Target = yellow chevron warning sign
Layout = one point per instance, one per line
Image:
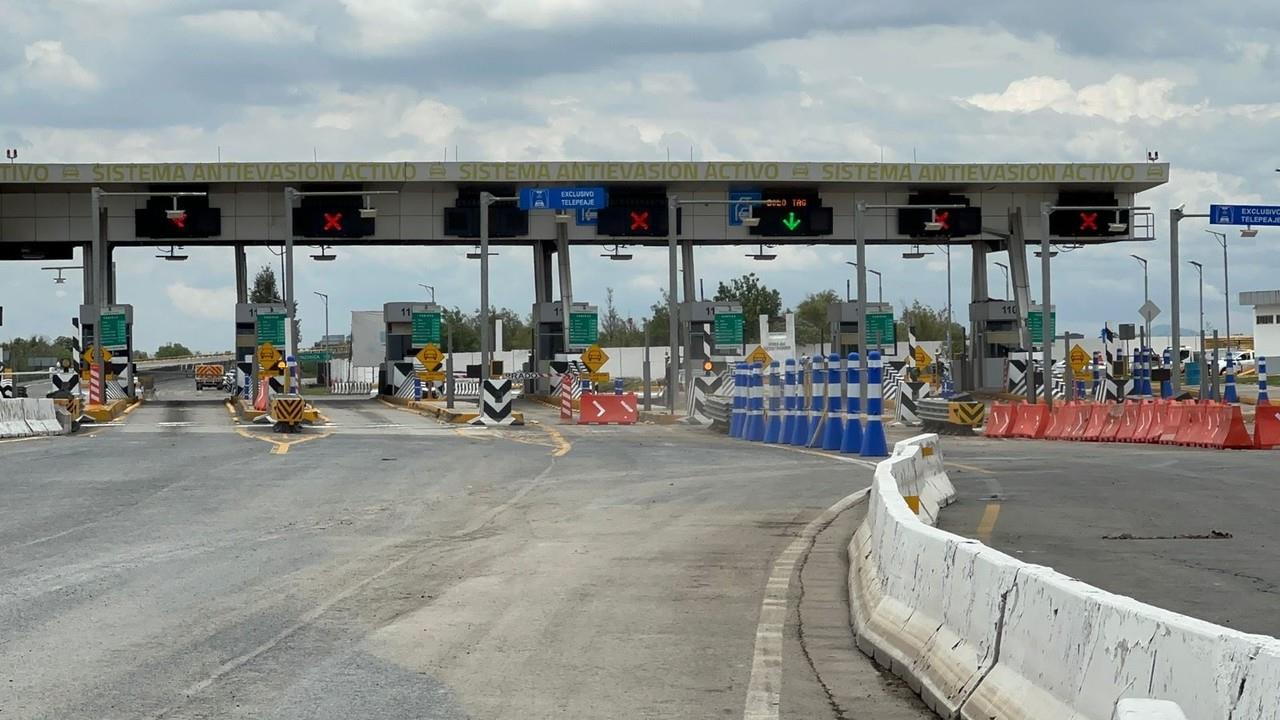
(1079, 360)
(922, 357)
(966, 413)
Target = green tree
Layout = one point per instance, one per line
(811, 317)
(928, 323)
(172, 350)
(658, 321)
(265, 289)
(20, 351)
(615, 330)
(755, 298)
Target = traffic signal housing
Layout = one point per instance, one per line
(951, 222)
(792, 213)
(1090, 222)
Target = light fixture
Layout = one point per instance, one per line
(475, 254)
(175, 213)
(616, 254)
(1117, 227)
(1249, 232)
(368, 212)
(762, 255)
(751, 222)
(1052, 253)
(172, 254)
(915, 254)
(933, 226)
(59, 280)
(562, 218)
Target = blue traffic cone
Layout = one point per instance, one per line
(739, 416)
(773, 424)
(789, 402)
(800, 433)
(852, 440)
(819, 405)
(834, 431)
(874, 443)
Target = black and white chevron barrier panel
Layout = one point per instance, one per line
(495, 404)
(894, 374)
(350, 387)
(66, 383)
(911, 393)
(704, 388)
(6, 386)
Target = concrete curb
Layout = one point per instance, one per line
(439, 411)
(980, 634)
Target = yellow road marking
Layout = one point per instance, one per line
(563, 446)
(281, 447)
(130, 409)
(970, 468)
(988, 522)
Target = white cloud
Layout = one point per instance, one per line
(203, 303)
(251, 26)
(48, 66)
(1121, 99)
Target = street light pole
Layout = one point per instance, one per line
(879, 280)
(673, 327)
(1004, 267)
(1146, 292)
(486, 200)
(1203, 370)
(328, 364)
(288, 272)
(430, 288)
(1226, 283)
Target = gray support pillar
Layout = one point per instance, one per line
(542, 280)
(1175, 304)
(1046, 309)
(88, 270)
(690, 295)
(242, 275)
(111, 275)
(1021, 287)
(566, 278)
(979, 294)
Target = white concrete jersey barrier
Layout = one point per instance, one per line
(979, 634)
(25, 417)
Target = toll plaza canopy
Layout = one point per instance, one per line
(44, 208)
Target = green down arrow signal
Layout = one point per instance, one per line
(791, 221)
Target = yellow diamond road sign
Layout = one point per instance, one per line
(430, 356)
(594, 358)
(760, 355)
(268, 356)
(1079, 359)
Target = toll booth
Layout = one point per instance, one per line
(882, 332)
(117, 338)
(415, 358)
(258, 324)
(997, 337)
(712, 331)
(549, 335)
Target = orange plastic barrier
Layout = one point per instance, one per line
(1266, 426)
(1128, 422)
(1228, 430)
(999, 419)
(1031, 421)
(1151, 431)
(1077, 421)
(1173, 420)
(1112, 424)
(1190, 424)
(596, 409)
(1097, 420)
(1059, 420)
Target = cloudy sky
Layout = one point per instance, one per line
(823, 80)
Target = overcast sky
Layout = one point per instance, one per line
(825, 80)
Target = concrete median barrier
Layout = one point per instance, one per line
(980, 634)
(25, 417)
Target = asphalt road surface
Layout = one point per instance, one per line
(1150, 522)
(174, 564)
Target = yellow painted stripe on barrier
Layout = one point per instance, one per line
(913, 502)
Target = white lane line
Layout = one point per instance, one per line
(764, 689)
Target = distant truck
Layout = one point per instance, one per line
(209, 376)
